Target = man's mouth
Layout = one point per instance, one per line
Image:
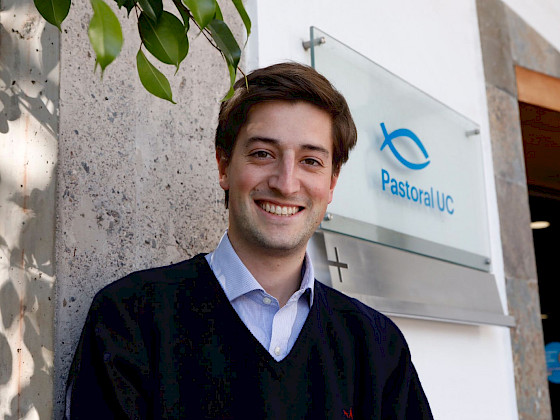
(279, 210)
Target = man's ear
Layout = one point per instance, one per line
(334, 179)
(223, 164)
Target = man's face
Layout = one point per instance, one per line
(279, 176)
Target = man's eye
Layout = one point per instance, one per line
(261, 154)
(312, 162)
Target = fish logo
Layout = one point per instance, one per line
(404, 132)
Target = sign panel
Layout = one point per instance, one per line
(416, 174)
(553, 361)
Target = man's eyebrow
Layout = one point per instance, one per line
(275, 142)
(316, 148)
(258, 139)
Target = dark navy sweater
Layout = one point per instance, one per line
(166, 343)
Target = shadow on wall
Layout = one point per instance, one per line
(26, 342)
(21, 93)
(26, 309)
(28, 126)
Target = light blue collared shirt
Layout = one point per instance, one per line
(277, 329)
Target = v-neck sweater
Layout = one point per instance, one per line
(166, 343)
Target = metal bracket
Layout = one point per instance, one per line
(474, 132)
(316, 41)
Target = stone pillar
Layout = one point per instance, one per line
(506, 41)
(29, 79)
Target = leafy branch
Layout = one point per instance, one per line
(163, 33)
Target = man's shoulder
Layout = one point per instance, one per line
(355, 314)
(340, 302)
(154, 281)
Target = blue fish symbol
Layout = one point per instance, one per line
(404, 132)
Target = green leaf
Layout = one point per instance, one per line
(227, 44)
(105, 33)
(54, 11)
(166, 39)
(225, 41)
(244, 16)
(218, 15)
(152, 8)
(232, 72)
(152, 79)
(129, 4)
(202, 10)
(184, 14)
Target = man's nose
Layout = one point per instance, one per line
(285, 178)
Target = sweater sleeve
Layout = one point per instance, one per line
(403, 396)
(109, 374)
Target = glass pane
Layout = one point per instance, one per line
(417, 169)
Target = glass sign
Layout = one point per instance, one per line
(415, 180)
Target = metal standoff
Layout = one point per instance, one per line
(328, 216)
(474, 132)
(316, 41)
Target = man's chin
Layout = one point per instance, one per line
(281, 243)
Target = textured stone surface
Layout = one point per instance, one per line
(526, 49)
(528, 349)
(137, 182)
(517, 238)
(529, 49)
(494, 40)
(28, 127)
(505, 134)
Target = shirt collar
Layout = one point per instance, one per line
(235, 278)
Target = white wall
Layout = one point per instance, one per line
(467, 371)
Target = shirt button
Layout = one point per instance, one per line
(267, 301)
(277, 351)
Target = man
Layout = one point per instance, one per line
(246, 331)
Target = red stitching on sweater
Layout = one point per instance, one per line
(348, 414)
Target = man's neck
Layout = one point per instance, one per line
(278, 273)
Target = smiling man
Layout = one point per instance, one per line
(245, 331)
(280, 179)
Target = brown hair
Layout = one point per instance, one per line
(286, 82)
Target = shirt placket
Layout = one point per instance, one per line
(282, 325)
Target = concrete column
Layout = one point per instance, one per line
(137, 183)
(29, 79)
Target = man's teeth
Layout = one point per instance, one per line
(279, 210)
